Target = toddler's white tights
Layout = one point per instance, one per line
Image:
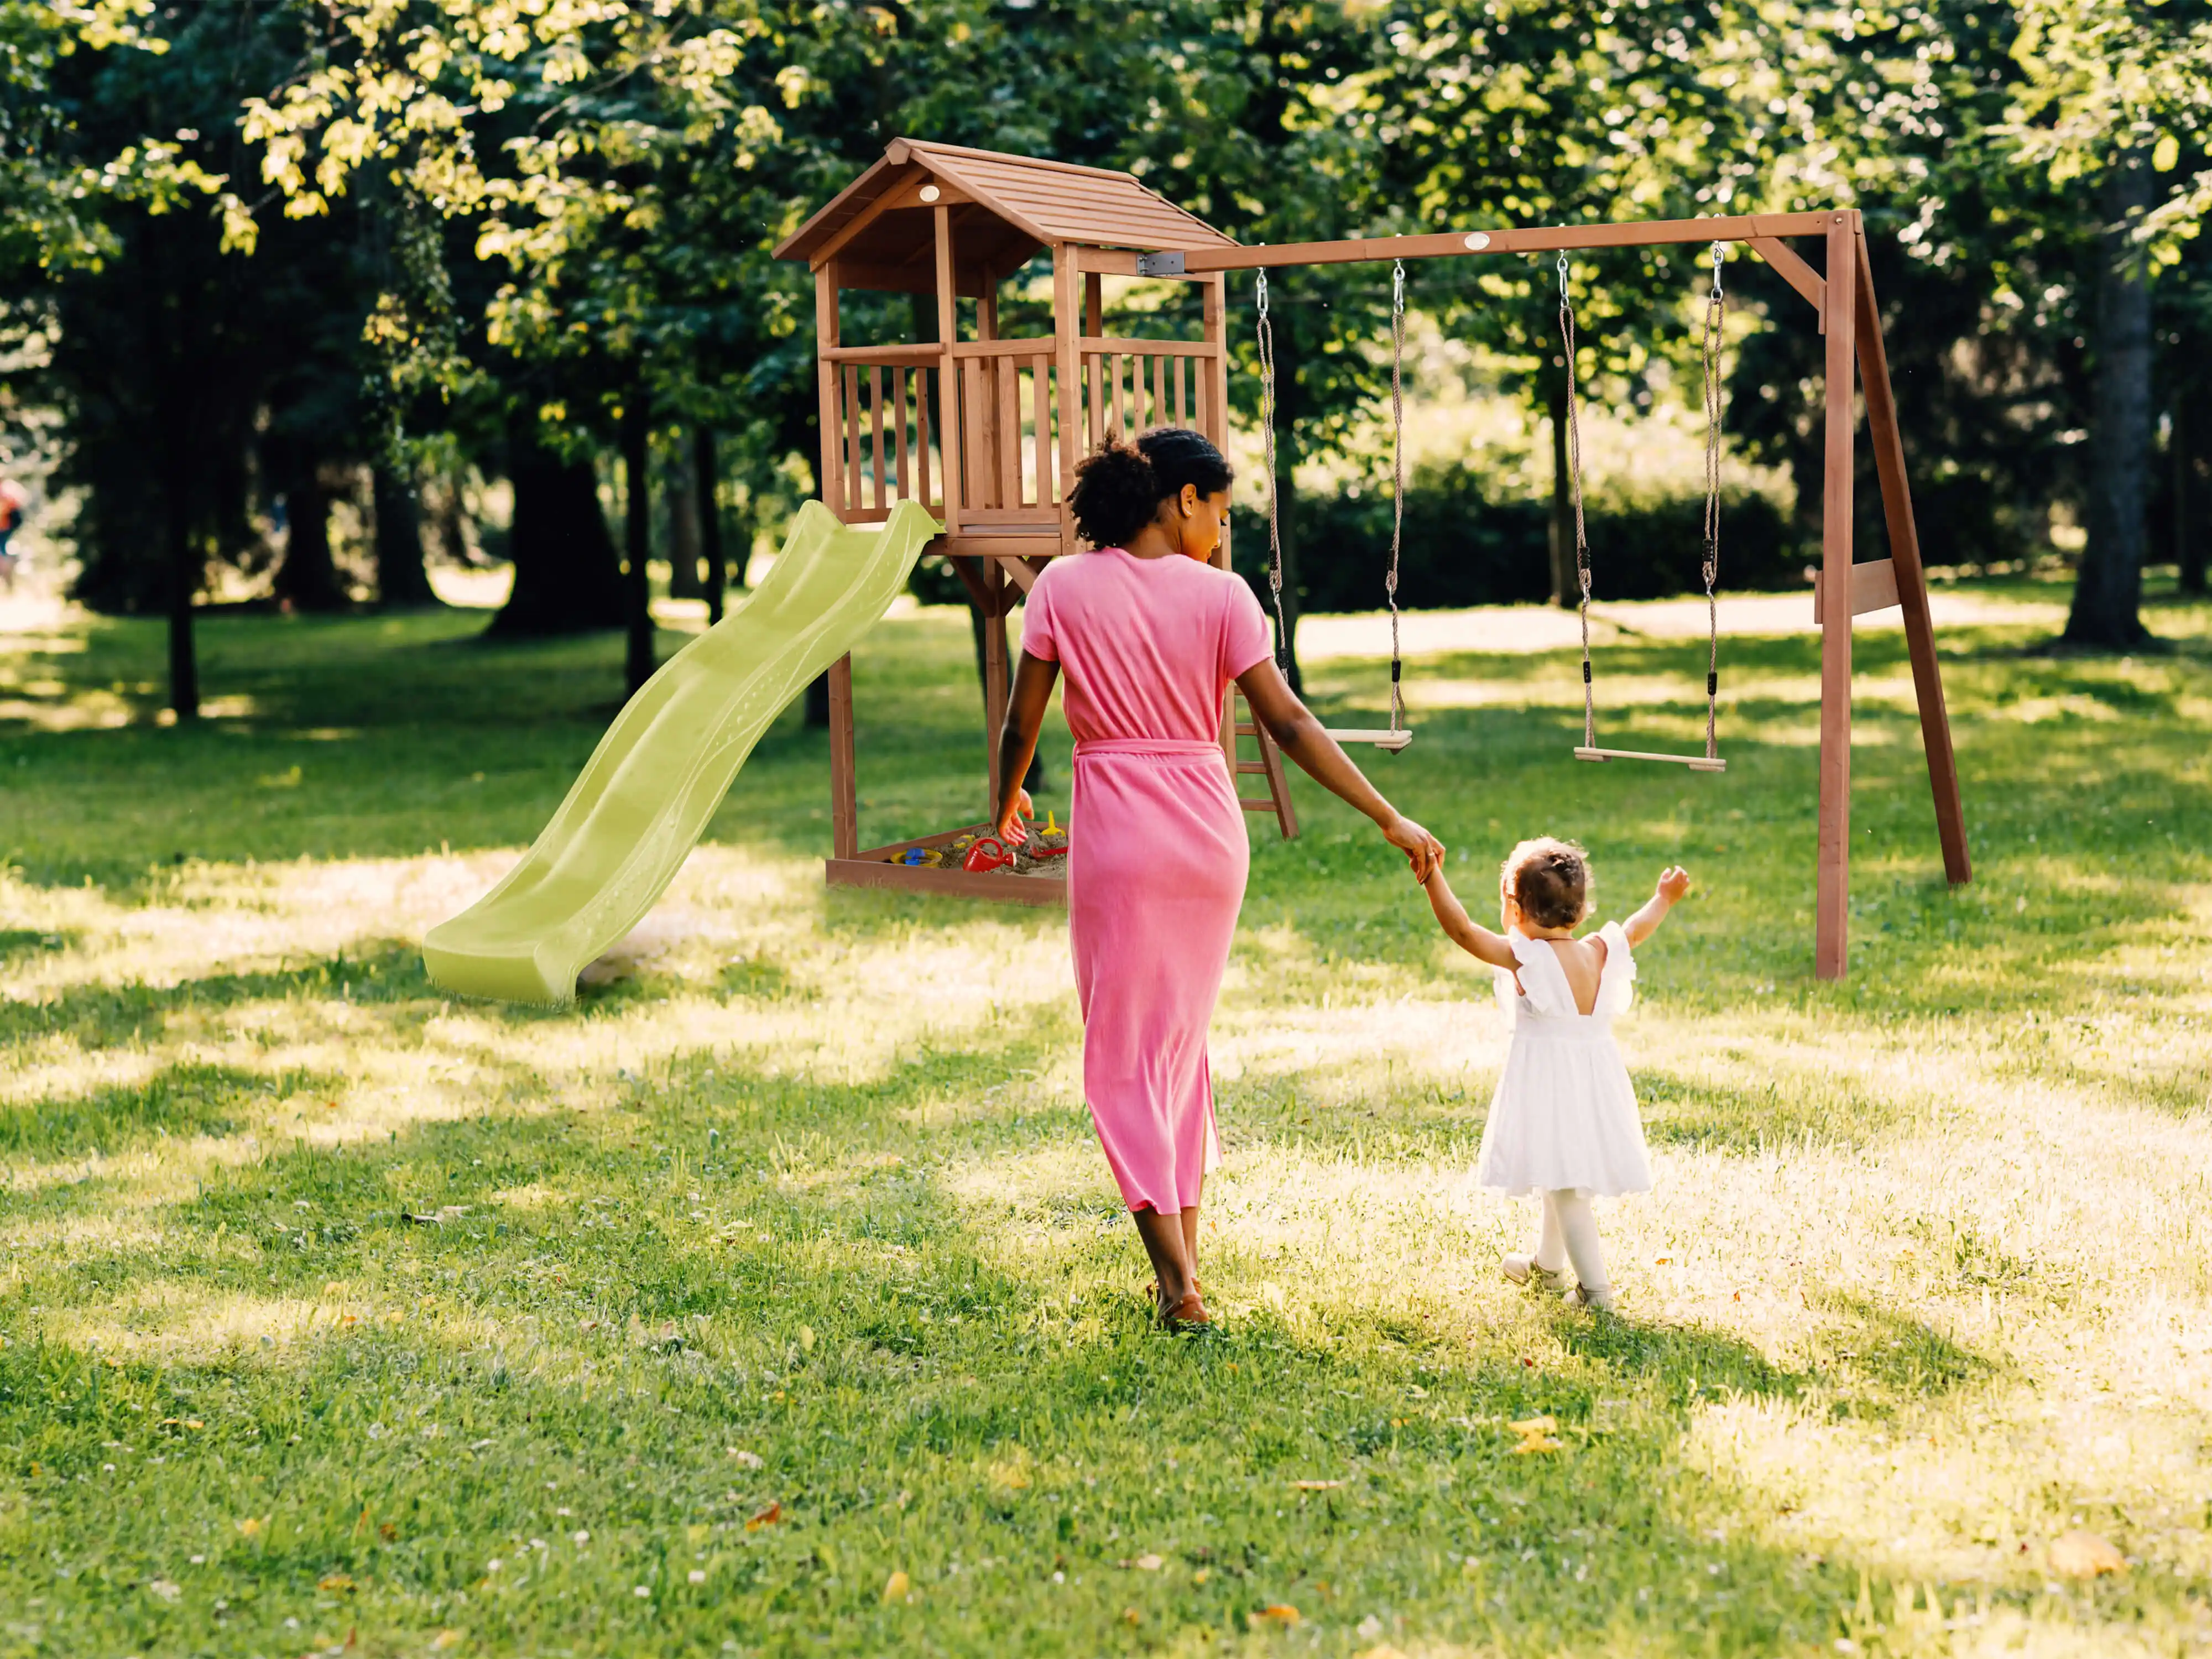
(1568, 1233)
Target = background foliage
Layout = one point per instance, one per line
(267, 259)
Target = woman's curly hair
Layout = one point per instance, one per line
(1120, 486)
(1550, 879)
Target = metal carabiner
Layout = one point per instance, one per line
(1563, 273)
(1260, 292)
(1397, 286)
(1717, 267)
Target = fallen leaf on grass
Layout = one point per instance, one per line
(447, 1638)
(165, 1589)
(1130, 1615)
(1279, 1613)
(1536, 1442)
(746, 1460)
(896, 1586)
(1532, 1425)
(1316, 1485)
(252, 1527)
(1142, 1563)
(2085, 1555)
(334, 1582)
(767, 1517)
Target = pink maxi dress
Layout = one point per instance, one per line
(1156, 855)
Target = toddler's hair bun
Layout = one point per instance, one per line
(1550, 879)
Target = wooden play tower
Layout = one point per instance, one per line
(985, 432)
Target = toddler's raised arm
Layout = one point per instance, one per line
(1674, 881)
(1471, 936)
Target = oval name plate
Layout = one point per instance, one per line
(1476, 241)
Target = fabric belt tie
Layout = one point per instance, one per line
(1175, 747)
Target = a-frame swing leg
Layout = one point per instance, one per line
(1832, 900)
(1911, 578)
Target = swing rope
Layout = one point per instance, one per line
(1274, 524)
(1397, 479)
(1396, 737)
(1575, 493)
(1716, 317)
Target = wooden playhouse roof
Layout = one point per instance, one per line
(1005, 209)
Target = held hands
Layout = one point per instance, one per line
(1422, 851)
(1012, 811)
(1673, 883)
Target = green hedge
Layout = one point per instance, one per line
(1463, 548)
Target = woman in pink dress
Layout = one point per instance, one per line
(1151, 634)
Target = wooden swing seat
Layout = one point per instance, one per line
(1381, 738)
(1695, 763)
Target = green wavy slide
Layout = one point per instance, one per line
(644, 798)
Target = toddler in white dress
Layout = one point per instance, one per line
(1563, 1123)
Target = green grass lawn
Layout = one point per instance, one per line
(776, 1299)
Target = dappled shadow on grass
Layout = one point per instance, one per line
(96, 1016)
(604, 1305)
(185, 1099)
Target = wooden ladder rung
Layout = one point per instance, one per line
(1243, 731)
(1256, 803)
(1695, 763)
(1251, 766)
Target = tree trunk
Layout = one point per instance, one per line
(567, 578)
(401, 579)
(308, 579)
(681, 493)
(184, 571)
(2108, 593)
(1566, 587)
(637, 511)
(706, 477)
(2188, 499)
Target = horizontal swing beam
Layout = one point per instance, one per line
(1738, 228)
(1695, 763)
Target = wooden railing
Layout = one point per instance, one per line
(890, 411)
(1009, 432)
(885, 399)
(1130, 385)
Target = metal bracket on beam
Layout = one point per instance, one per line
(1160, 265)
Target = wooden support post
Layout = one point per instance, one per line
(1833, 902)
(948, 376)
(1067, 376)
(844, 798)
(994, 676)
(825, 373)
(1213, 371)
(1911, 578)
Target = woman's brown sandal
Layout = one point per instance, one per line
(1187, 1315)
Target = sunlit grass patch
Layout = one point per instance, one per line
(786, 1262)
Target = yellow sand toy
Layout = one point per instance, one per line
(644, 797)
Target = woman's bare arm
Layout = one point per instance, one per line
(1034, 679)
(1470, 935)
(1299, 735)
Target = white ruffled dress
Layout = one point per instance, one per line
(1565, 1114)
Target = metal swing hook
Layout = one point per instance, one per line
(1719, 256)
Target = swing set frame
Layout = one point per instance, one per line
(1842, 297)
(986, 433)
